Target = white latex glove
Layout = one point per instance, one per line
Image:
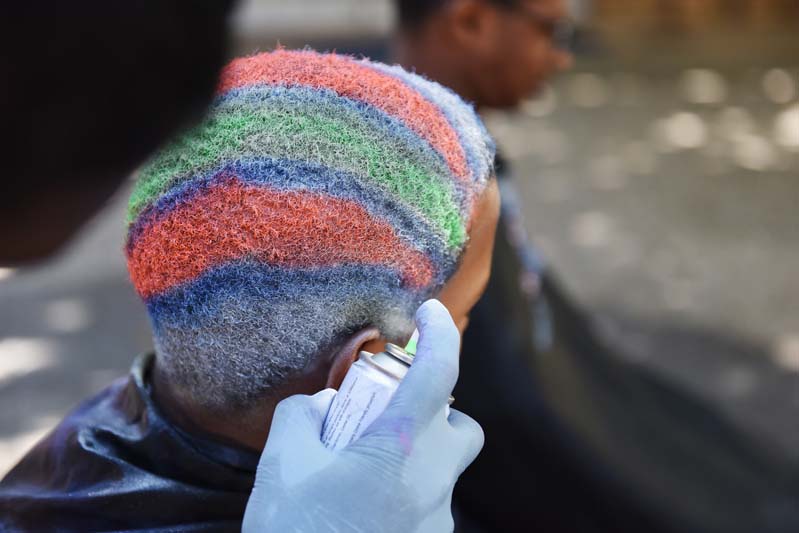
(397, 477)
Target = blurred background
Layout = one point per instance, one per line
(660, 180)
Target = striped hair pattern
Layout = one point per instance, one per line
(321, 194)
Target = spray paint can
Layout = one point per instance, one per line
(365, 393)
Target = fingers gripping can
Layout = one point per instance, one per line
(364, 394)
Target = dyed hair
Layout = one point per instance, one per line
(321, 194)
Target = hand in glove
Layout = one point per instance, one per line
(397, 477)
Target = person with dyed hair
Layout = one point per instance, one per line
(321, 201)
(320, 197)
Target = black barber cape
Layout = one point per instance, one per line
(115, 464)
(577, 439)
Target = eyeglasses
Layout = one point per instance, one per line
(561, 31)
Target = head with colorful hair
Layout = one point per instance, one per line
(320, 196)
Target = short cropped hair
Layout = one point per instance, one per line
(321, 194)
(413, 13)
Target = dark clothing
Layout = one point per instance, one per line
(115, 464)
(578, 440)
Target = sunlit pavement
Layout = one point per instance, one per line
(668, 203)
(67, 329)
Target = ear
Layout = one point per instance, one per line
(341, 360)
(470, 22)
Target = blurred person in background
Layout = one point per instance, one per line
(90, 90)
(577, 439)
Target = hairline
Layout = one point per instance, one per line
(407, 21)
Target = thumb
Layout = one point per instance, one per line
(432, 376)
